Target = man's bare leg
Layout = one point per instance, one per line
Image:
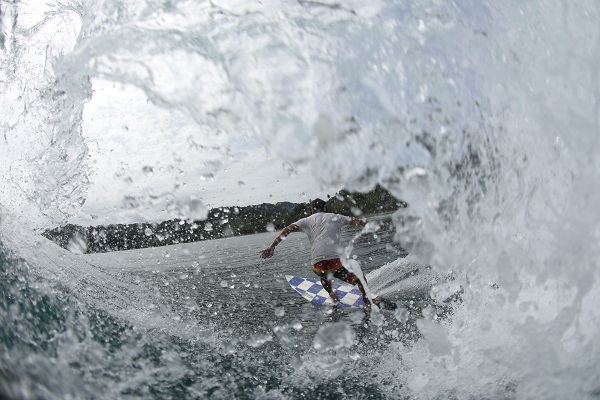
(327, 285)
(364, 294)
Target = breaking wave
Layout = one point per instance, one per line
(482, 116)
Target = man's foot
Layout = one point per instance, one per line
(377, 300)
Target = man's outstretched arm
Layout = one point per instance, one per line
(268, 252)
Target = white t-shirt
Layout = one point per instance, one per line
(324, 231)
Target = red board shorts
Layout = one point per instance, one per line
(328, 268)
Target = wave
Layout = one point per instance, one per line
(482, 116)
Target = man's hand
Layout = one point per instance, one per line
(267, 253)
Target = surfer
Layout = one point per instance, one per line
(324, 230)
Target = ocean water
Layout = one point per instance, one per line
(483, 116)
(201, 320)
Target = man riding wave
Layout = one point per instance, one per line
(324, 231)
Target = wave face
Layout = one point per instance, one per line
(483, 116)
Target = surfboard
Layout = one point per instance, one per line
(313, 291)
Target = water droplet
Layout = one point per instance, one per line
(376, 317)
(229, 346)
(77, 244)
(196, 210)
(401, 314)
(289, 169)
(148, 170)
(259, 340)
(334, 336)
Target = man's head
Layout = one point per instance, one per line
(317, 205)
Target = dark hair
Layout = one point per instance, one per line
(318, 205)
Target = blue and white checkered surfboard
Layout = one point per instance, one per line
(313, 291)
